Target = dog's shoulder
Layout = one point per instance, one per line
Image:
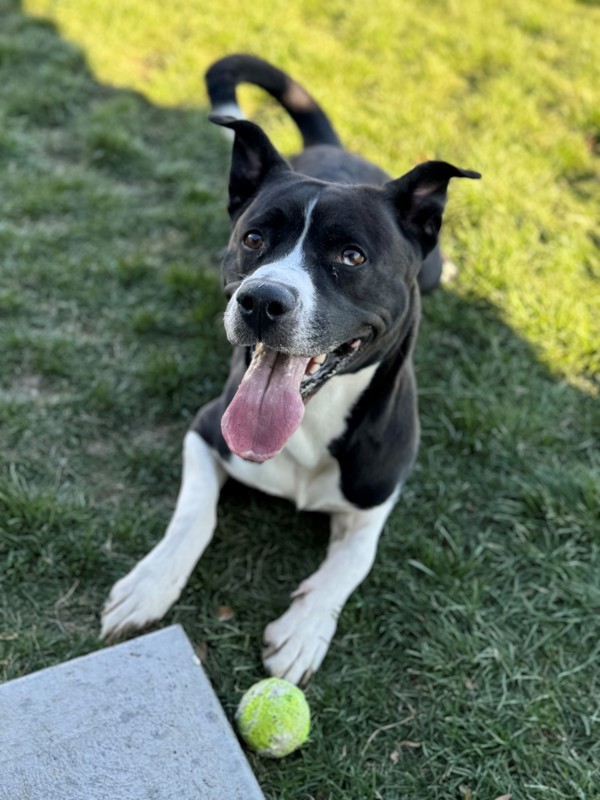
(378, 446)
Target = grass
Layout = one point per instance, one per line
(466, 666)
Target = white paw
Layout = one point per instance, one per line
(296, 643)
(141, 597)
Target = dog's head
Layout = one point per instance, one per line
(319, 278)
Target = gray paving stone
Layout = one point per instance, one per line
(138, 721)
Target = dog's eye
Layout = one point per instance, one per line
(352, 257)
(253, 240)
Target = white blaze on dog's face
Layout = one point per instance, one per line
(288, 273)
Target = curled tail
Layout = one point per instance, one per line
(224, 75)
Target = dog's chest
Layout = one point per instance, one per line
(305, 472)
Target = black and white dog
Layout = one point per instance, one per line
(323, 272)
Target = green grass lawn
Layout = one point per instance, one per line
(468, 664)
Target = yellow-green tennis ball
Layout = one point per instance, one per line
(273, 717)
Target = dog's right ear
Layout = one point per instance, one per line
(253, 160)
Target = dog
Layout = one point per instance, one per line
(323, 273)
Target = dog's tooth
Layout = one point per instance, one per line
(314, 367)
(320, 359)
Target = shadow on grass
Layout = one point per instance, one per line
(112, 218)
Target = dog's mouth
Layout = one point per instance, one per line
(268, 406)
(320, 368)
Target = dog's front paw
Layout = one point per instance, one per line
(141, 597)
(296, 643)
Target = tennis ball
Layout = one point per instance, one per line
(273, 717)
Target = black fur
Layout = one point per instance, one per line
(395, 222)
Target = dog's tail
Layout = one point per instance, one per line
(224, 75)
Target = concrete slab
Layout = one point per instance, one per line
(138, 721)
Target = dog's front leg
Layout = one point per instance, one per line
(296, 643)
(155, 583)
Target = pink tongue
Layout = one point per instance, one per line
(267, 407)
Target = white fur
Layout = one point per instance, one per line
(151, 588)
(229, 110)
(290, 271)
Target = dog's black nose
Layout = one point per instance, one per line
(262, 304)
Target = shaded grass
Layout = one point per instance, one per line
(471, 652)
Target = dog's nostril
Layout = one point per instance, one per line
(275, 309)
(247, 303)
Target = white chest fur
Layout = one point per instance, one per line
(305, 472)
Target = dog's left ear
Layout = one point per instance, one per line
(419, 198)
(253, 160)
